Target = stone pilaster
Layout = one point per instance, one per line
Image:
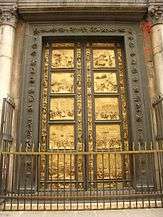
(8, 17)
(156, 15)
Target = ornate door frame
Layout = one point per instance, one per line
(32, 67)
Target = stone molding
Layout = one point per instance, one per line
(8, 15)
(156, 14)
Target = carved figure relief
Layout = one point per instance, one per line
(63, 58)
(105, 82)
(103, 58)
(62, 82)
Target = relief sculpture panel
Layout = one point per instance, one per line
(103, 58)
(62, 82)
(62, 58)
(105, 82)
(61, 109)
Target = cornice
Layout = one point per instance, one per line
(8, 15)
(49, 10)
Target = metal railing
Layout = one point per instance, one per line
(158, 108)
(116, 179)
(8, 107)
(76, 180)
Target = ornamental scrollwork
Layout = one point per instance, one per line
(31, 97)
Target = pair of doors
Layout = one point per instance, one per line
(83, 114)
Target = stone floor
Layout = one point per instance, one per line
(106, 213)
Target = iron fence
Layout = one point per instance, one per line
(8, 107)
(56, 180)
(158, 107)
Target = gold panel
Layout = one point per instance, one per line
(103, 58)
(107, 108)
(109, 166)
(108, 136)
(62, 83)
(61, 136)
(63, 58)
(61, 167)
(61, 109)
(105, 83)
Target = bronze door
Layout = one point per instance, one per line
(83, 115)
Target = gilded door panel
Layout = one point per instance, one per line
(61, 136)
(107, 108)
(63, 58)
(62, 82)
(108, 137)
(62, 109)
(83, 110)
(103, 58)
(105, 82)
(110, 111)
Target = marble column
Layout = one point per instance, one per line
(156, 13)
(7, 37)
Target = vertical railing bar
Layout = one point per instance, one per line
(109, 186)
(46, 173)
(159, 166)
(83, 159)
(64, 189)
(123, 156)
(156, 165)
(7, 178)
(5, 181)
(71, 171)
(24, 180)
(39, 177)
(116, 179)
(140, 166)
(90, 181)
(31, 184)
(57, 154)
(51, 185)
(103, 174)
(97, 179)
(78, 183)
(151, 156)
(18, 178)
(12, 178)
